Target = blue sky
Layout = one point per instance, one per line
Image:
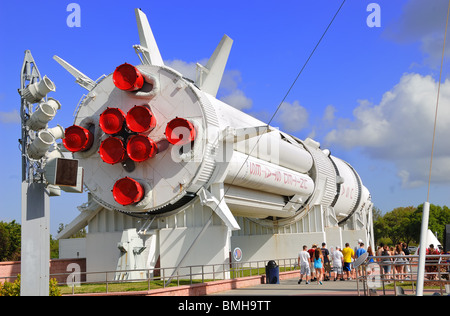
(368, 93)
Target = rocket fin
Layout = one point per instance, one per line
(210, 76)
(83, 80)
(149, 48)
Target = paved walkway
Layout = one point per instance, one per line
(290, 287)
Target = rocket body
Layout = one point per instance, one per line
(261, 167)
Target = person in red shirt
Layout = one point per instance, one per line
(311, 255)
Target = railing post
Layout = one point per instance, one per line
(439, 274)
(73, 284)
(164, 278)
(106, 277)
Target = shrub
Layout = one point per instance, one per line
(13, 288)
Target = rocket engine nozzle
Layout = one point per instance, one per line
(140, 119)
(141, 148)
(112, 150)
(111, 120)
(180, 131)
(128, 78)
(77, 138)
(127, 191)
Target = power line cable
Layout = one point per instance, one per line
(437, 104)
(287, 93)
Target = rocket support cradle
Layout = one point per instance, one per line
(189, 144)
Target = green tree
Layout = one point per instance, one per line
(397, 224)
(404, 224)
(438, 218)
(10, 235)
(378, 224)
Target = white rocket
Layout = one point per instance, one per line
(151, 142)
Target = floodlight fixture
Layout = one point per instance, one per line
(35, 92)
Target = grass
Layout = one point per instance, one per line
(122, 286)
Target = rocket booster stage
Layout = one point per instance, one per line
(151, 142)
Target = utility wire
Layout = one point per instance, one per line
(437, 104)
(287, 93)
(307, 61)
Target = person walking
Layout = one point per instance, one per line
(326, 262)
(338, 261)
(371, 262)
(407, 261)
(432, 269)
(399, 262)
(348, 254)
(311, 252)
(318, 265)
(385, 261)
(360, 251)
(303, 263)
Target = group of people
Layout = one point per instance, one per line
(399, 263)
(319, 264)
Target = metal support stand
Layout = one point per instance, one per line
(35, 268)
(35, 256)
(175, 272)
(422, 249)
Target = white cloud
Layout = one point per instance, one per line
(229, 91)
(188, 70)
(292, 117)
(237, 99)
(11, 117)
(400, 129)
(329, 116)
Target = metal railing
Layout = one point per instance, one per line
(401, 271)
(158, 277)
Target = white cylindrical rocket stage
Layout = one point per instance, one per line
(187, 140)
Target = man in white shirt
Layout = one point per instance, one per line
(338, 259)
(303, 262)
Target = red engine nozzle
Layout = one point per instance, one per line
(127, 191)
(140, 119)
(128, 78)
(180, 131)
(141, 148)
(77, 138)
(112, 150)
(111, 120)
